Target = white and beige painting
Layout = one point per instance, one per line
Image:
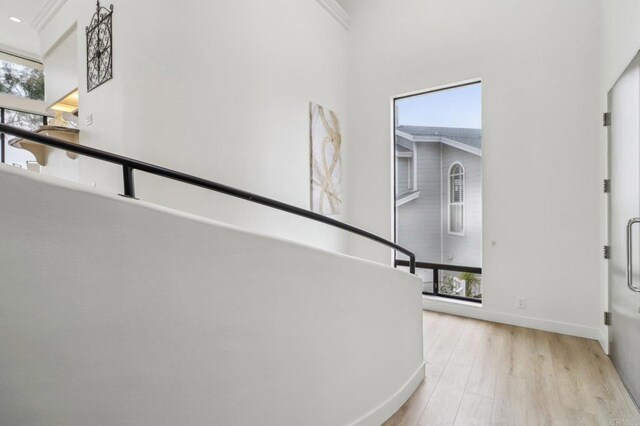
(326, 161)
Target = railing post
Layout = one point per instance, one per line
(412, 264)
(436, 277)
(129, 188)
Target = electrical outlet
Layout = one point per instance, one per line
(520, 304)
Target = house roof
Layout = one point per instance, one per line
(470, 137)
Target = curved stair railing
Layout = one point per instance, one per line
(129, 165)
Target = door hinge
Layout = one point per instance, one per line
(607, 318)
(606, 186)
(607, 252)
(606, 119)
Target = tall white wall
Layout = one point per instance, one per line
(220, 90)
(542, 169)
(128, 313)
(61, 67)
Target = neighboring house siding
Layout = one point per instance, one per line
(463, 250)
(402, 164)
(402, 180)
(419, 222)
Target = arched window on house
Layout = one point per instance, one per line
(456, 199)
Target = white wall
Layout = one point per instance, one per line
(129, 313)
(61, 68)
(220, 90)
(542, 169)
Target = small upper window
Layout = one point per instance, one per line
(21, 77)
(456, 199)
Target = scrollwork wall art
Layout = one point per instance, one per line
(99, 47)
(326, 161)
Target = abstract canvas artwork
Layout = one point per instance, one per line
(326, 161)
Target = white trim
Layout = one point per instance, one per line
(437, 88)
(337, 11)
(414, 148)
(387, 408)
(460, 203)
(440, 139)
(18, 103)
(46, 13)
(404, 199)
(431, 304)
(461, 146)
(404, 154)
(427, 139)
(405, 135)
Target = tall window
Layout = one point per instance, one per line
(456, 199)
(437, 138)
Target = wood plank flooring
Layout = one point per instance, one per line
(483, 373)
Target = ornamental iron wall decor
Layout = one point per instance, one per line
(99, 47)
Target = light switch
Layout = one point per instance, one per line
(88, 121)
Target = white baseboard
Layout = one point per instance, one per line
(479, 312)
(382, 412)
(604, 339)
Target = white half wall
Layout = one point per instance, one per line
(119, 312)
(542, 165)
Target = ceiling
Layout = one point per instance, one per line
(20, 37)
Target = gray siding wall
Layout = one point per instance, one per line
(419, 221)
(463, 250)
(402, 173)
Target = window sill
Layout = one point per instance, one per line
(452, 301)
(406, 197)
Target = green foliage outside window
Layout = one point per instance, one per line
(20, 80)
(473, 284)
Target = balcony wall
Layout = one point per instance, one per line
(115, 311)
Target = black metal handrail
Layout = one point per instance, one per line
(129, 165)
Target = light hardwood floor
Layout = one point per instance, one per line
(483, 373)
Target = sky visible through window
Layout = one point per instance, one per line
(459, 107)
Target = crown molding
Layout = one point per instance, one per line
(337, 12)
(46, 12)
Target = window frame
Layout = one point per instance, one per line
(22, 61)
(459, 203)
(412, 175)
(3, 137)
